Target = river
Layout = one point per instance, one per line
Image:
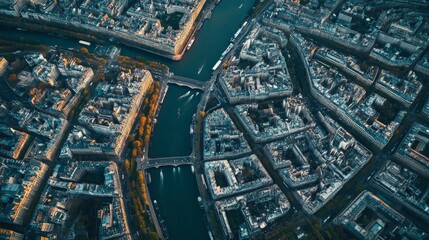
(171, 136)
(212, 39)
(176, 192)
(175, 188)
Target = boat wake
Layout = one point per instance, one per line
(185, 95)
(192, 96)
(189, 99)
(161, 178)
(201, 68)
(240, 6)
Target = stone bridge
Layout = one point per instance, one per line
(167, 161)
(187, 82)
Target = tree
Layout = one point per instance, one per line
(134, 153)
(148, 130)
(132, 167)
(127, 167)
(202, 113)
(12, 77)
(153, 235)
(84, 50)
(146, 138)
(142, 120)
(147, 134)
(140, 176)
(137, 144)
(140, 131)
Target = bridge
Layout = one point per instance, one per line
(166, 161)
(187, 82)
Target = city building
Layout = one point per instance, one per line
(225, 178)
(276, 119)
(12, 142)
(357, 68)
(158, 26)
(369, 217)
(55, 86)
(106, 120)
(425, 110)
(71, 184)
(403, 89)
(258, 70)
(49, 129)
(10, 235)
(404, 186)
(413, 151)
(19, 183)
(318, 162)
(423, 65)
(3, 65)
(372, 115)
(245, 215)
(222, 140)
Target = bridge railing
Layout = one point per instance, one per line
(164, 164)
(187, 80)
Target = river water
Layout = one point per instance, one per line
(175, 189)
(213, 38)
(176, 192)
(171, 136)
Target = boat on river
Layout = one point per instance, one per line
(190, 44)
(85, 43)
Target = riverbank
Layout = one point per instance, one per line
(52, 24)
(79, 32)
(137, 141)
